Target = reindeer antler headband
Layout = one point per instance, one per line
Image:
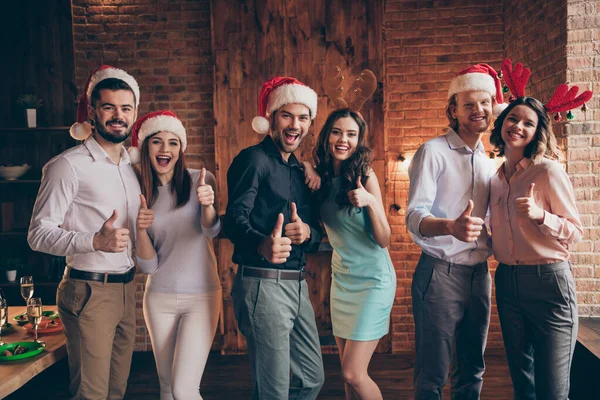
(564, 99)
(363, 87)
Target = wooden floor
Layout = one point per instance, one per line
(229, 377)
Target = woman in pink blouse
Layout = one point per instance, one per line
(533, 219)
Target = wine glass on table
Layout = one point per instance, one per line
(34, 314)
(3, 317)
(27, 288)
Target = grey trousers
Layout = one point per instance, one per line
(538, 315)
(451, 308)
(278, 321)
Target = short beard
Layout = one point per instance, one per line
(109, 137)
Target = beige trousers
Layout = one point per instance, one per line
(99, 323)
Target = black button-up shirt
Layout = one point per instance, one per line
(261, 184)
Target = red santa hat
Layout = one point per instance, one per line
(479, 77)
(81, 129)
(151, 123)
(278, 92)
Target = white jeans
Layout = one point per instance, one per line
(182, 328)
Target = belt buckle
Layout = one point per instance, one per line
(302, 275)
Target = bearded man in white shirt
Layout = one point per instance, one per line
(448, 200)
(86, 210)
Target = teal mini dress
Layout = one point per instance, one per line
(363, 284)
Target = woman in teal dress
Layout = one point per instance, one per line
(363, 284)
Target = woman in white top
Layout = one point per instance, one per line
(176, 222)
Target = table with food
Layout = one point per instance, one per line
(21, 357)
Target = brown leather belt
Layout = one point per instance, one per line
(102, 276)
(284, 274)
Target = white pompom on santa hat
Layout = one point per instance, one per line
(278, 92)
(81, 129)
(479, 77)
(151, 123)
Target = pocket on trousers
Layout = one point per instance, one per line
(423, 277)
(73, 296)
(499, 282)
(249, 297)
(255, 296)
(564, 282)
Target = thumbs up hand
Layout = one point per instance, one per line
(206, 194)
(527, 207)
(145, 216)
(110, 239)
(466, 228)
(297, 230)
(274, 248)
(359, 197)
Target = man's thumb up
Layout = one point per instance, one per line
(278, 229)
(294, 217)
(469, 209)
(109, 222)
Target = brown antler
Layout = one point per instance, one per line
(333, 84)
(364, 86)
(564, 99)
(515, 79)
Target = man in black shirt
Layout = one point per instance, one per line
(270, 223)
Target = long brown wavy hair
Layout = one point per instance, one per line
(359, 163)
(543, 143)
(180, 184)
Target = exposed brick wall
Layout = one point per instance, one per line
(426, 44)
(560, 44)
(166, 47)
(583, 147)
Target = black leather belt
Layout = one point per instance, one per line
(102, 276)
(284, 274)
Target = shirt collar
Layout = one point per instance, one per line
(521, 165)
(272, 150)
(456, 142)
(524, 163)
(98, 153)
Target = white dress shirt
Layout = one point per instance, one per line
(444, 175)
(80, 189)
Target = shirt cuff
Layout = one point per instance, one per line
(414, 223)
(84, 242)
(213, 230)
(312, 244)
(147, 266)
(255, 238)
(551, 225)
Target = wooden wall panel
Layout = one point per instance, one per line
(256, 40)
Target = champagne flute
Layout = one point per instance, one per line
(3, 317)
(27, 288)
(34, 314)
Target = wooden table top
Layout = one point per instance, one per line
(16, 373)
(589, 334)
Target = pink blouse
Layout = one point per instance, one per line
(520, 240)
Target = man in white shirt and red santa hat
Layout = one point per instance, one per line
(86, 210)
